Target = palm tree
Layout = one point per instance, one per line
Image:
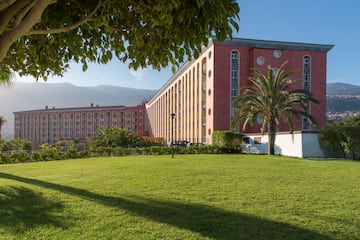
(272, 98)
(2, 122)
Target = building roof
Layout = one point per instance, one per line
(275, 44)
(280, 45)
(91, 108)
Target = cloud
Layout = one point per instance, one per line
(138, 74)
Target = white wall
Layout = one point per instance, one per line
(311, 146)
(294, 145)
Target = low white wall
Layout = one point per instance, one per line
(311, 146)
(289, 144)
(294, 145)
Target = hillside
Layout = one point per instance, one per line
(27, 96)
(342, 89)
(342, 103)
(342, 97)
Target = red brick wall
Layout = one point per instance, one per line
(248, 58)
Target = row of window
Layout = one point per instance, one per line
(59, 116)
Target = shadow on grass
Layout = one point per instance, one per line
(22, 208)
(208, 221)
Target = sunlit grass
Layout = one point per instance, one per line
(188, 197)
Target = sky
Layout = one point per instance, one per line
(310, 21)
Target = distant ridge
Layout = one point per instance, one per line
(342, 97)
(27, 96)
(342, 89)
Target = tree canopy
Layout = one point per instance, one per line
(342, 138)
(41, 37)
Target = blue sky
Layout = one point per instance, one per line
(311, 21)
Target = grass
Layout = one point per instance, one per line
(188, 197)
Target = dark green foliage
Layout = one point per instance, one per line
(351, 131)
(16, 144)
(158, 150)
(14, 157)
(36, 156)
(139, 33)
(116, 137)
(330, 139)
(121, 137)
(342, 138)
(107, 143)
(226, 139)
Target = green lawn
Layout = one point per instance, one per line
(188, 197)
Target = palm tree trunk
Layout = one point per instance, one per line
(271, 143)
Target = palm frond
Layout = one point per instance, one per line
(272, 97)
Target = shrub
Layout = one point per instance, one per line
(50, 154)
(19, 156)
(35, 156)
(226, 139)
(331, 138)
(118, 151)
(84, 153)
(341, 139)
(156, 150)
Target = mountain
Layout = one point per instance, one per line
(342, 97)
(342, 103)
(37, 95)
(342, 89)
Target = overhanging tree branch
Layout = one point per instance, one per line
(88, 18)
(5, 4)
(19, 17)
(10, 13)
(33, 17)
(30, 45)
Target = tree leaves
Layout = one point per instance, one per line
(140, 33)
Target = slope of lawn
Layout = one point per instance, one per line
(188, 197)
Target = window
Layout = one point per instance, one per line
(234, 78)
(277, 53)
(234, 93)
(260, 60)
(306, 73)
(234, 70)
(306, 86)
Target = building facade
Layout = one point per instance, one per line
(197, 99)
(50, 125)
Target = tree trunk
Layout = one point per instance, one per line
(271, 140)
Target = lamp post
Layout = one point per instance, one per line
(173, 115)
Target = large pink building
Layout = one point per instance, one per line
(197, 99)
(50, 125)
